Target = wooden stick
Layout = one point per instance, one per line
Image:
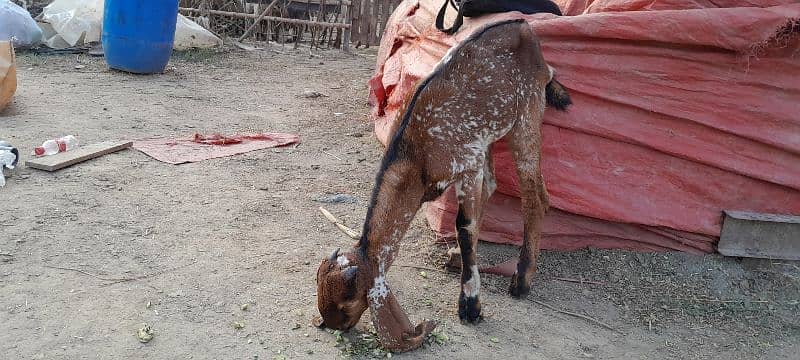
(258, 19)
(579, 281)
(350, 232)
(82, 272)
(271, 18)
(726, 301)
(149, 275)
(337, 158)
(587, 318)
(422, 268)
(355, 235)
(328, 215)
(119, 280)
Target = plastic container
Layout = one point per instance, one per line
(52, 147)
(138, 35)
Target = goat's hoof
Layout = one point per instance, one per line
(469, 309)
(518, 289)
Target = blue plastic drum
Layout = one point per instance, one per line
(138, 34)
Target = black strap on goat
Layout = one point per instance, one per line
(459, 18)
(474, 8)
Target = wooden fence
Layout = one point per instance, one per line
(368, 20)
(360, 21)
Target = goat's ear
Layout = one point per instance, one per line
(350, 273)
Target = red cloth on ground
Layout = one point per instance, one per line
(202, 147)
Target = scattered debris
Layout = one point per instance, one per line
(494, 340)
(145, 334)
(245, 307)
(238, 325)
(308, 94)
(338, 199)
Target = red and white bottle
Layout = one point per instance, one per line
(52, 147)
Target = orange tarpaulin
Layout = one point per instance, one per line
(677, 115)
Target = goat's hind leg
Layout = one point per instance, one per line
(525, 142)
(471, 197)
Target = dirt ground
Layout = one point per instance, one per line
(191, 244)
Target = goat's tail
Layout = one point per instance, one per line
(555, 93)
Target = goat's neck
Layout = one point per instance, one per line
(395, 201)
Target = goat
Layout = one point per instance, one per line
(493, 85)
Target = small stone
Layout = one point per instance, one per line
(313, 94)
(145, 334)
(244, 307)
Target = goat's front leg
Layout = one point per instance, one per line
(525, 142)
(470, 208)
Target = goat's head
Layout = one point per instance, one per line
(341, 298)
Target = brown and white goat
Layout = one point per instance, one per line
(493, 85)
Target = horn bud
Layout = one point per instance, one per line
(350, 273)
(334, 255)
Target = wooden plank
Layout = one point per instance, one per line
(373, 24)
(759, 235)
(366, 11)
(355, 21)
(346, 35)
(81, 154)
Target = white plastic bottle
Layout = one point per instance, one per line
(70, 142)
(52, 147)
